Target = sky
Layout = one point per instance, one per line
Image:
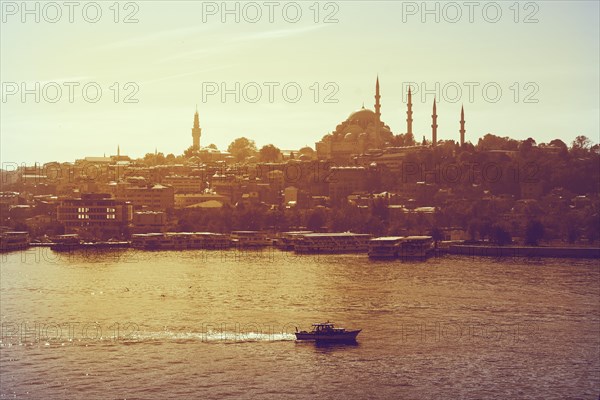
(81, 81)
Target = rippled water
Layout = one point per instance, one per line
(154, 325)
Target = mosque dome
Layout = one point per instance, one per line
(362, 116)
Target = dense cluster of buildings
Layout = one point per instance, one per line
(357, 163)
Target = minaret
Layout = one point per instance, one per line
(196, 131)
(118, 152)
(462, 125)
(409, 119)
(377, 97)
(434, 126)
(377, 111)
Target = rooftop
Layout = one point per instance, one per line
(335, 234)
(387, 238)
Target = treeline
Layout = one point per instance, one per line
(479, 223)
(502, 165)
(374, 220)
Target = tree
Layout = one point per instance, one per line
(436, 235)
(190, 152)
(582, 142)
(380, 209)
(492, 142)
(527, 145)
(534, 232)
(242, 148)
(572, 234)
(472, 229)
(249, 218)
(500, 236)
(401, 140)
(374, 225)
(269, 153)
(315, 220)
(558, 143)
(591, 228)
(154, 159)
(485, 229)
(276, 220)
(564, 150)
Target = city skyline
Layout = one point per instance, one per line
(174, 63)
(189, 186)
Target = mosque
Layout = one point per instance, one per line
(364, 130)
(361, 133)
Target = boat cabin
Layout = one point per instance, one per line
(326, 327)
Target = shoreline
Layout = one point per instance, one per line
(522, 251)
(453, 249)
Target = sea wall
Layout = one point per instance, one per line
(524, 251)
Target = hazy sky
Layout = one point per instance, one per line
(178, 53)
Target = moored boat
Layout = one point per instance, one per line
(385, 247)
(416, 247)
(287, 240)
(209, 240)
(327, 332)
(65, 242)
(346, 242)
(180, 241)
(148, 241)
(10, 241)
(245, 239)
(106, 245)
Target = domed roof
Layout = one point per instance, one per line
(362, 115)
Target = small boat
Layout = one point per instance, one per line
(327, 332)
(66, 243)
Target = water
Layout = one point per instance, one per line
(126, 324)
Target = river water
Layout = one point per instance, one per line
(127, 324)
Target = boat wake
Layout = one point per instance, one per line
(162, 337)
(210, 337)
